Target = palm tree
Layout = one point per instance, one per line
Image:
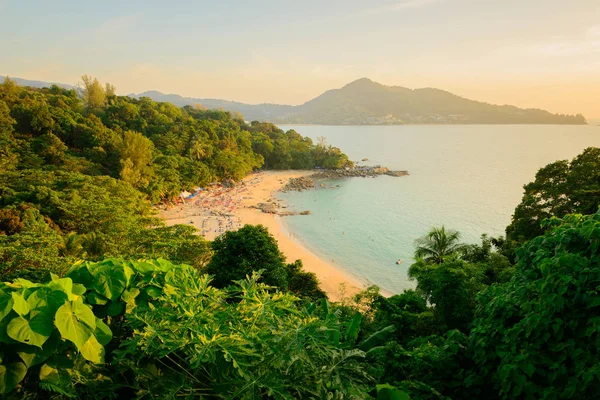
(72, 245)
(437, 245)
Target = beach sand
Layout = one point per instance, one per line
(220, 209)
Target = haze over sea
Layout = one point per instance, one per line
(466, 177)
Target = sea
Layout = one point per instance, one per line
(465, 177)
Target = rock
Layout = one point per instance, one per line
(267, 208)
(299, 184)
(357, 171)
(286, 213)
(396, 173)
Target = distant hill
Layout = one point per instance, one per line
(251, 112)
(37, 84)
(364, 102)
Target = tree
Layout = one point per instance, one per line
(302, 283)
(136, 156)
(437, 245)
(93, 93)
(537, 335)
(109, 90)
(251, 248)
(560, 188)
(237, 254)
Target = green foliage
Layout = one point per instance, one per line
(389, 392)
(451, 287)
(250, 249)
(302, 283)
(560, 188)
(159, 148)
(246, 343)
(437, 245)
(431, 367)
(42, 323)
(167, 332)
(537, 336)
(93, 93)
(408, 312)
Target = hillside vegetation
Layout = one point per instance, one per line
(364, 102)
(99, 300)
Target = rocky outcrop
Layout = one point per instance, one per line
(272, 207)
(396, 173)
(359, 171)
(298, 184)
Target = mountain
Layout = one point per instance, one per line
(37, 84)
(364, 102)
(251, 112)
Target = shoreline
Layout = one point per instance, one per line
(258, 188)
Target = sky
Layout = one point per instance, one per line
(528, 53)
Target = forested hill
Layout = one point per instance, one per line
(364, 102)
(158, 148)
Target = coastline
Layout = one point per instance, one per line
(260, 188)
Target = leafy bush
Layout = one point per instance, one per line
(131, 328)
(238, 254)
(538, 335)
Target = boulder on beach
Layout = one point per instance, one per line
(299, 184)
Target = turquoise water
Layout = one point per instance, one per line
(468, 178)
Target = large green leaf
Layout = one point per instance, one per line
(96, 299)
(47, 300)
(34, 330)
(389, 392)
(4, 338)
(79, 289)
(352, 331)
(75, 322)
(63, 284)
(32, 355)
(103, 332)
(6, 304)
(20, 304)
(80, 273)
(92, 350)
(11, 375)
(110, 282)
(376, 338)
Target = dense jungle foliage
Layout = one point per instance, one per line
(102, 301)
(77, 169)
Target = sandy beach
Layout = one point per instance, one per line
(220, 209)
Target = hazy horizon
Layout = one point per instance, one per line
(534, 55)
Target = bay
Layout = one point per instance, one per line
(466, 177)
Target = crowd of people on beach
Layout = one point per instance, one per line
(212, 210)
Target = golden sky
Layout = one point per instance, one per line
(529, 53)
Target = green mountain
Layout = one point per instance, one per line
(367, 102)
(364, 102)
